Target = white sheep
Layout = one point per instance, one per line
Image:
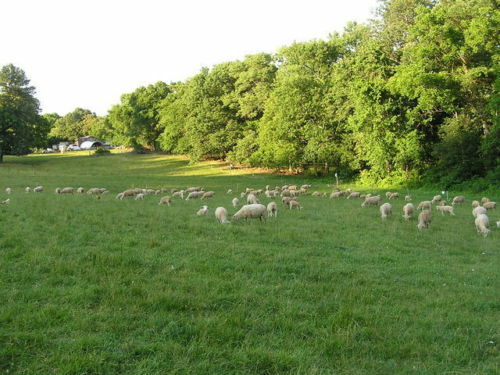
(165, 200)
(482, 224)
(385, 210)
(354, 194)
(408, 211)
(424, 219)
(235, 202)
(179, 194)
(436, 198)
(443, 209)
(475, 204)
(230, 191)
(294, 204)
(208, 194)
(393, 195)
(203, 211)
(80, 190)
(490, 205)
(38, 189)
(286, 193)
(221, 215)
(120, 196)
(6, 202)
(424, 205)
(252, 199)
(8, 190)
(336, 194)
(375, 200)
(478, 211)
(243, 194)
(272, 209)
(139, 196)
(66, 190)
(484, 200)
(458, 200)
(193, 188)
(27, 189)
(408, 198)
(388, 194)
(250, 211)
(316, 194)
(194, 195)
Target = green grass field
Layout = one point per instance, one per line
(104, 286)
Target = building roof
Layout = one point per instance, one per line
(89, 144)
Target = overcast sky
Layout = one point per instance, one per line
(88, 53)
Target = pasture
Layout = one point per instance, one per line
(92, 286)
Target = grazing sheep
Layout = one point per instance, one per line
(424, 219)
(94, 191)
(475, 204)
(203, 211)
(243, 195)
(139, 196)
(179, 194)
(192, 189)
(408, 198)
(336, 194)
(27, 189)
(354, 194)
(221, 215)
(286, 200)
(424, 204)
(252, 199)
(436, 198)
(80, 190)
(385, 210)
(478, 211)
(285, 193)
(8, 190)
(230, 191)
(208, 194)
(294, 204)
(305, 187)
(490, 205)
(444, 209)
(194, 195)
(165, 200)
(393, 195)
(120, 196)
(408, 211)
(37, 189)
(272, 209)
(66, 190)
(458, 200)
(173, 190)
(250, 211)
(6, 202)
(482, 224)
(316, 194)
(375, 200)
(292, 187)
(235, 202)
(388, 194)
(443, 203)
(484, 200)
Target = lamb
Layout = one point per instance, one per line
(375, 200)
(484, 200)
(444, 209)
(252, 199)
(221, 215)
(475, 204)
(6, 202)
(66, 190)
(235, 202)
(250, 211)
(424, 219)
(139, 196)
(230, 191)
(408, 198)
(408, 210)
(394, 195)
(179, 194)
(272, 209)
(37, 189)
(8, 190)
(165, 200)
(385, 210)
(208, 194)
(424, 204)
(482, 224)
(80, 190)
(203, 211)
(354, 194)
(458, 199)
(436, 198)
(490, 205)
(27, 189)
(294, 204)
(194, 195)
(478, 211)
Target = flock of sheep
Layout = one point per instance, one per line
(289, 194)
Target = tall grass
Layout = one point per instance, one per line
(130, 287)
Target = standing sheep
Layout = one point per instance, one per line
(165, 200)
(475, 204)
(484, 200)
(424, 204)
(194, 195)
(393, 195)
(490, 205)
(66, 190)
(354, 194)
(221, 215)
(272, 209)
(408, 198)
(38, 189)
(203, 211)
(385, 210)
(6, 202)
(139, 196)
(80, 190)
(179, 194)
(230, 191)
(252, 199)
(482, 224)
(208, 194)
(408, 211)
(478, 211)
(27, 189)
(8, 190)
(235, 202)
(444, 209)
(424, 219)
(294, 204)
(436, 198)
(458, 200)
(250, 211)
(375, 200)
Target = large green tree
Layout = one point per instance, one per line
(21, 126)
(76, 124)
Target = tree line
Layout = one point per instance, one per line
(410, 95)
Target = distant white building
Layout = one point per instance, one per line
(89, 145)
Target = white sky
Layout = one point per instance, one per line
(88, 53)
